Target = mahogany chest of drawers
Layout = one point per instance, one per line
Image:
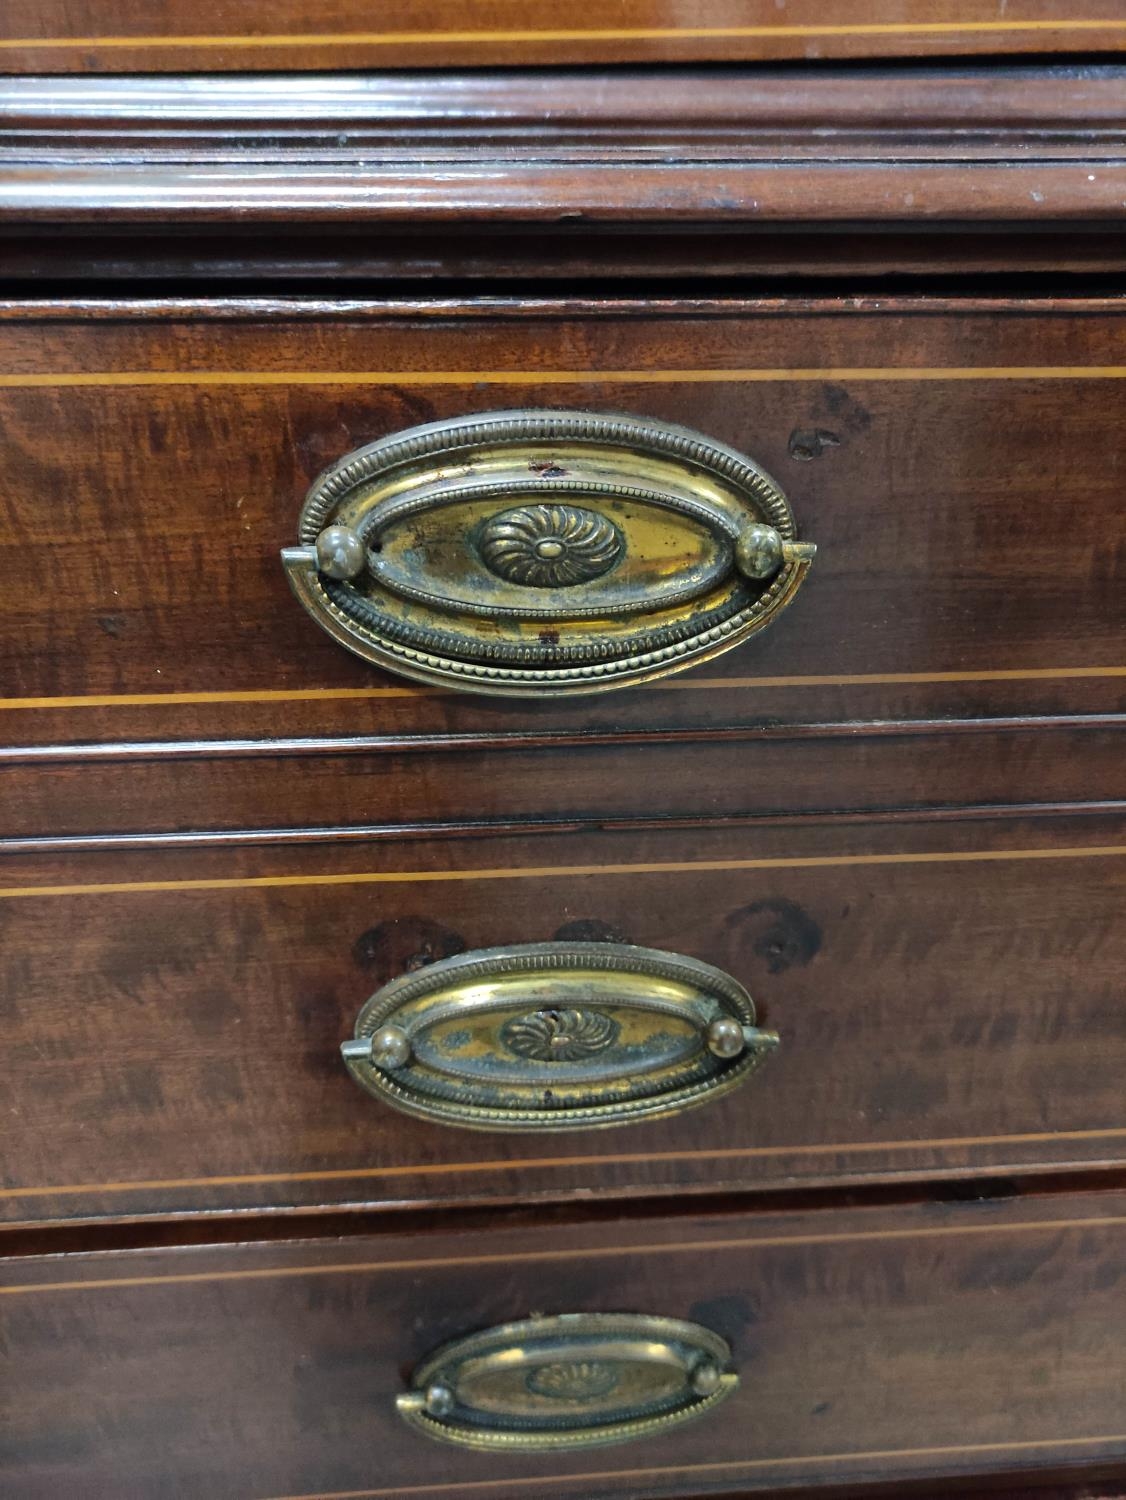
(563, 796)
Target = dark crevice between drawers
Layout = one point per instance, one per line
(256, 1226)
(264, 293)
(154, 265)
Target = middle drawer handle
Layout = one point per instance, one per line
(556, 1036)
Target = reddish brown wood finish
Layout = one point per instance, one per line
(115, 36)
(731, 150)
(74, 188)
(934, 1341)
(698, 702)
(898, 817)
(229, 786)
(948, 994)
(594, 114)
(967, 512)
(539, 176)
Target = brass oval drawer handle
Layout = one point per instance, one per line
(574, 1381)
(556, 1036)
(544, 552)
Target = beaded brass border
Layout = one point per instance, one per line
(475, 659)
(678, 1085)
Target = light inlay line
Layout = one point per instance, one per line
(260, 695)
(570, 34)
(675, 684)
(547, 872)
(600, 1252)
(16, 379)
(633, 1158)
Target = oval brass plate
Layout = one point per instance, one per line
(573, 1381)
(554, 1036)
(544, 552)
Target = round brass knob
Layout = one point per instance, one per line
(759, 552)
(725, 1037)
(706, 1378)
(440, 1400)
(340, 553)
(390, 1047)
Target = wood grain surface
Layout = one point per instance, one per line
(958, 467)
(114, 36)
(575, 175)
(899, 817)
(948, 994)
(934, 1340)
(225, 786)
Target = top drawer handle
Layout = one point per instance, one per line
(533, 553)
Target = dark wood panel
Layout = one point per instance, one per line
(114, 36)
(928, 1341)
(292, 784)
(698, 701)
(967, 513)
(948, 993)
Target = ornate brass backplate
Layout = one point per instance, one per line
(556, 1036)
(544, 552)
(574, 1381)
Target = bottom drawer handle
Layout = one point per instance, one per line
(573, 1381)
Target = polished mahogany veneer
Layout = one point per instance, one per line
(83, 793)
(957, 465)
(946, 992)
(924, 1340)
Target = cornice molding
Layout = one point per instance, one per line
(569, 159)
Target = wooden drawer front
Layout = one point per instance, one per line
(958, 469)
(935, 1341)
(397, 784)
(948, 995)
(113, 36)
